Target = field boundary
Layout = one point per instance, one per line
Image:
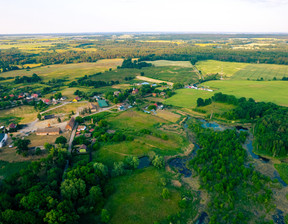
(143, 78)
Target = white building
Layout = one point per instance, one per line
(3, 139)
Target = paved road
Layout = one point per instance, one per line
(72, 137)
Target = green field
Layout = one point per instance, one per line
(267, 91)
(7, 169)
(137, 198)
(265, 71)
(283, 171)
(226, 68)
(243, 71)
(161, 63)
(187, 97)
(68, 71)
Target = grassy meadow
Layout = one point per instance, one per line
(187, 97)
(138, 199)
(283, 171)
(22, 114)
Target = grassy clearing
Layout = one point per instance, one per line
(38, 140)
(226, 68)
(22, 114)
(167, 115)
(69, 92)
(265, 71)
(68, 108)
(161, 63)
(68, 71)
(283, 171)
(218, 108)
(260, 91)
(147, 79)
(138, 198)
(187, 97)
(134, 120)
(7, 169)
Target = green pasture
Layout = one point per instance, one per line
(267, 91)
(137, 198)
(7, 169)
(265, 71)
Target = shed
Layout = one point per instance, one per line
(102, 103)
(70, 124)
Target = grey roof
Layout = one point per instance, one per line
(2, 135)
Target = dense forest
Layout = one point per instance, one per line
(233, 188)
(271, 123)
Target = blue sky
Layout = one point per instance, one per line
(64, 16)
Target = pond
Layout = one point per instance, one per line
(144, 162)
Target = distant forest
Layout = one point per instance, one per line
(11, 58)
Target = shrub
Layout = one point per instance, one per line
(165, 193)
(158, 162)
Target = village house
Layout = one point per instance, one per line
(70, 124)
(135, 91)
(48, 131)
(87, 135)
(116, 93)
(162, 93)
(83, 148)
(47, 101)
(92, 107)
(81, 128)
(12, 127)
(154, 94)
(3, 139)
(76, 99)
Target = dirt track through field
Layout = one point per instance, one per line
(153, 80)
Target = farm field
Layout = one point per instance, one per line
(172, 74)
(138, 199)
(22, 114)
(213, 67)
(218, 108)
(161, 63)
(68, 71)
(258, 71)
(267, 91)
(243, 71)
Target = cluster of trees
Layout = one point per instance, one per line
(26, 79)
(127, 63)
(87, 81)
(220, 166)
(270, 131)
(118, 98)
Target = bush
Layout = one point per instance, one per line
(165, 193)
(61, 140)
(38, 151)
(158, 162)
(105, 216)
(131, 162)
(183, 203)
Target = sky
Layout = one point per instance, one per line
(204, 16)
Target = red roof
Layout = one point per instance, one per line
(46, 101)
(11, 95)
(91, 130)
(12, 125)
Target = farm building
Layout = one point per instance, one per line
(46, 117)
(48, 131)
(76, 99)
(92, 107)
(3, 139)
(102, 103)
(70, 124)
